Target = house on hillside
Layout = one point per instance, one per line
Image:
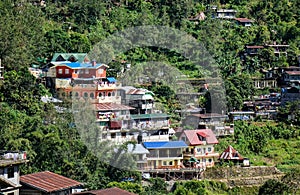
(140, 99)
(244, 22)
(200, 146)
(108, 191)
(140, 153)
(278, 49)
(165, 154)
(232, 155)
(290, 94)
(199, 17)
(48, 183)
(70, 57)
(225, 14)
(213, 121)
(10, 162)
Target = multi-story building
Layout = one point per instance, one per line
(165, 154)
(201, 146)
(213, 121)
(140, 99)
(10, 162)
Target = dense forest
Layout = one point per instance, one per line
(32, 31)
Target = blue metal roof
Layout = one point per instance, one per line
(165, 144)
(76, 65)
(111, 79)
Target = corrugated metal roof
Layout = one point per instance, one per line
(112, 107)
(209, 115)
(230, 154)
(243, 20)
(293, 72)
(166, 144)
(48, 182)
(108, 191)
(193, 138)
(111, 79)
(138, 149)
(76, 65)
(149, 116)
(254, 46)
(80, 57)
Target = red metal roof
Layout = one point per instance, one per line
(293, 72)
(230, 154)
(48, 182)
(243, 20)
(108, 191)
(254, 46)
(112, 106)
(192, 136)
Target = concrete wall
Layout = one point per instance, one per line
(243, 176)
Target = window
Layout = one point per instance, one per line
(210, 160)
(12, 193)
(100, 95)
(76, 94)
(109, 94)
(199, 150)
(67, 71)
(165, 163)
(85, 95)
(87, 71)
(100, 71)
(1, 171)
(91, 95)
(113, 93)
(113, 135)
(103, 123)
(10, 172)
(123, 134)
(60, 71)
(171, 163)
(209, 149)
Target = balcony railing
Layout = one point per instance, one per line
(108, 86)
(13, 155)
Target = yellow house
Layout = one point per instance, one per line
(201, 147)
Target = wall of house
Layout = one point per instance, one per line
(30, 192)
(63, 72)
(12, 192)
(163, 164)
(14, 177)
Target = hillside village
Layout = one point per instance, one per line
(167, 142)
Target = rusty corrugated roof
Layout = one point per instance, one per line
(112, 106)
(108, 191)
(243, 20)
(48, 182)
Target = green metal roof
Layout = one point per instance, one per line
(79, 56)
(145, 116)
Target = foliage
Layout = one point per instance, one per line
(30, 33)
(273, 187)
(128, 186)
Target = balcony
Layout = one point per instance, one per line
(156, 138)
(109, 99)
(105, 86)
(8, 158)
(147, 106)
